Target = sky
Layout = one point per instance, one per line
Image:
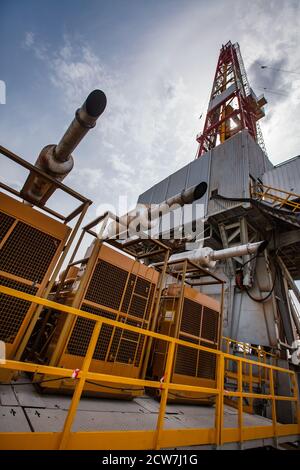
(155, 60)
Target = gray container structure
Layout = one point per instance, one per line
(285, 176)
(228, 170)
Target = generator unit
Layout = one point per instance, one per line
(115, 286)
(189, 315)
(34, 239)
(30, 245)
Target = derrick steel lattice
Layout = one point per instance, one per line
(233, 106)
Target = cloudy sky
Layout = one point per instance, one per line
(155, 60)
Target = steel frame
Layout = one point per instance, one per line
(276, 197)
(158, 438)
(234, 106)
(45, 287)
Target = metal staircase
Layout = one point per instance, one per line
(282, 204)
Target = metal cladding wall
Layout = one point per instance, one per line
(258, 160)
(226, 168)
(194, 173)
(188, 176)
(285, 176)
(232, 163)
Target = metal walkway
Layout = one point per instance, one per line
(23, 409)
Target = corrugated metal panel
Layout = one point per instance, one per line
(177, 181)
(188, 176)
(285, 176)
(160, 191)
(227, 166)
(258, 161)
(229, 173)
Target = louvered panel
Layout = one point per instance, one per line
(128, 293)
(82, 332)
(6, 222)
(191, 317)
(107, 285)
(186, 360)
(13, 310)
(206, 363)
(210, 324)
(28, 252)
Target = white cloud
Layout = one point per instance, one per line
(271, 34)
(156, 96)
(29, 39)
(88, 178)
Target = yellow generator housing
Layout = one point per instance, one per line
(196, 320)
(30, 245)
(115, 286)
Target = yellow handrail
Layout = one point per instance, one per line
(276, 196)
(159, 437)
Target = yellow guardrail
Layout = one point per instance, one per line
(276, 196)
(259, 377)
(160, 437)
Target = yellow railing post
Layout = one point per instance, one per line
(164, 393)
(79, 386)
(219, 418)
(274, 417)
(155, 440)
(296, 396)
(240, 400)
(251, 386)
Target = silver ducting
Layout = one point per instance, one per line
(207, 257)
(147, 215)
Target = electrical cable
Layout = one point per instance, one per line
(278, 69)
(68, 377)
(115, 388)
(218, 196)
(189, 398)
(36, 382)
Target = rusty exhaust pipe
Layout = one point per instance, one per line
(57, 160)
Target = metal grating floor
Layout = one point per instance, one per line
(23, 409)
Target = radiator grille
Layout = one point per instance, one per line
(13, 310)
(5, 223)
(207, 362)
(142, 287)
(107, 285)
(128, 293)
(150, 302)
(191, 317)
(210, 324)
(129, 351)
(106, 288)
(28, 252)
(186, 360)
(82, 332)
(200, 364)
(138, 306)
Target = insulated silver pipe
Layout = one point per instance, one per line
(146, 215)
(207, 257)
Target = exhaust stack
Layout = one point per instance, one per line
(57, 160)
(147, 215)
